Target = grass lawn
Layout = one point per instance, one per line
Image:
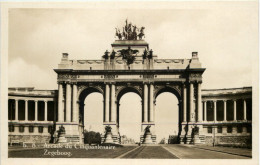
(74, 153)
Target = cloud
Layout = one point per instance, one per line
(22, 74)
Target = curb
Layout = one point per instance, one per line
(224, 152)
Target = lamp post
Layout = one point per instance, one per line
(213, 127)
(214, 135)
(11, 122)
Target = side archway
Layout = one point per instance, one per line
(173, 90)
(83, 93)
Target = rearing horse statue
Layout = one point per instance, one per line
(141, 34)
(118, 34)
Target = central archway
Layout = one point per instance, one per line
(129, 114)
(169, 114)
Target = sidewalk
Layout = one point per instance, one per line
(234, 151)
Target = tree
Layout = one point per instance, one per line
(92, 137)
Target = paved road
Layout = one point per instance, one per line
(191, 152)
(149, 152)
(175, 151)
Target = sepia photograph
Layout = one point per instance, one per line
(130, 82)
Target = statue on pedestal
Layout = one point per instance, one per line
(108, 135)
(61, 135)
(195, 135)
(130, 32)
(147, 135)
(141, 34)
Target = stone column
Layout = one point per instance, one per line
(154, 104)
(199, 103)
(36, 110)
(54, 108)
(145, 102)
(107, 104)
(60, 104)
(74, 103)
(68, 102)
(215, 110)
(77, 112)
(184, 103)
(235, 110)
(26, 110)
(225, 110)
(151, 103)
(113, 103)
(244, 130)
(244, 108)
(205, 110)
(45, 110)
(192, 114)
(16, 109)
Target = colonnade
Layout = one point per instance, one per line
(194, 103)
(16, 109)
(148, 103)
(68, 105)
(111, 102)
(225, 110)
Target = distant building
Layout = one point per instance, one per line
(125, 140)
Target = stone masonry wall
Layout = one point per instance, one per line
(29, 138)
(238, 141)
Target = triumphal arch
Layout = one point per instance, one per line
(129, 66)
(210, 116)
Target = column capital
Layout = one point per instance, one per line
(234, 100)
(35, 100)
(67, 82)
(26, 100)
(224, 100)
(198, 82)
(145, 83)
(45, 101)
(60, 82)
(184, 85)
(74, 83)
(214, 101)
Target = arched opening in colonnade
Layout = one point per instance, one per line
(168, 116)
(129, 115)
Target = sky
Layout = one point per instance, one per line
(225, 35)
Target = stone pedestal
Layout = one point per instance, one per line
(148, 139)
(73, 132)
(62, 138)
(108, 138)
(196, 139)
